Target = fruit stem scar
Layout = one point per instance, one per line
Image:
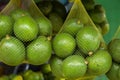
(7, 37)
(90, 53)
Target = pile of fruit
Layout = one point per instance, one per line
(71, 48)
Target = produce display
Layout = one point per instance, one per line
(56, 44)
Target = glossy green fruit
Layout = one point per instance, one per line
(74, 66)
(17, 13)
(99, 63)
(6, 25)
(88, 40)
(26, 29)
(45, 26)
(39, 51)
(56, 66)
(112, 74)
(12, 51)
(45, 7)
(64, 45)
(56, 21)
(114, 49)
(72, 26)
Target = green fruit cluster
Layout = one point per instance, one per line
(79, 55)
(24, 39)
(97, 14)
(73, 53)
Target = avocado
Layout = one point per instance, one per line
(74, 66)
(99, 63)
(6, 25)
(39, 51)
(12, 51)
(26, 28)
(88, 40)
(64, 45)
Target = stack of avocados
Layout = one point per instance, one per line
(75, 53)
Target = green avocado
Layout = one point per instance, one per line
(74, 67)
(63, 45)
(72, 26)
(6, 25)
(99, 63)
(45, 26)
(114, 49)
(17, 13)
(26, 28)
(39, 51)
(12, 51)
(112, 74)
(88, 40)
